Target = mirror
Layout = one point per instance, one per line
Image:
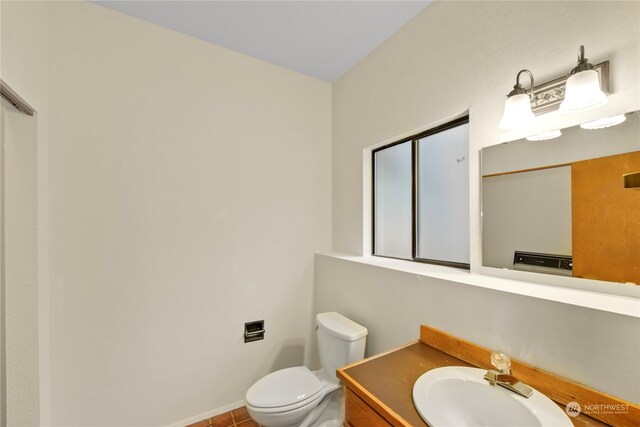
(567, 206)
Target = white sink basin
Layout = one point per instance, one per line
(459, 396)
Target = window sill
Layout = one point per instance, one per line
(624, 305)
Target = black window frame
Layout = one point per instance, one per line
(414, 139)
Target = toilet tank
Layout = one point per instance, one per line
(340, 341)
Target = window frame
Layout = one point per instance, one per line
(414, 140)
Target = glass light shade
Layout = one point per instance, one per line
(604, 122)
(545, 135)
(517, 112)
(583, 92)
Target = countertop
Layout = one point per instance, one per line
(386, 381)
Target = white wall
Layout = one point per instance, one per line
(591, 347)
(526, 212)
(456, 56)
(189, 187)
(452, 57)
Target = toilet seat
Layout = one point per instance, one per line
(285, 390)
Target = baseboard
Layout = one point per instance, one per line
(208, 414)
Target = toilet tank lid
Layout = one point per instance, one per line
(339, 326)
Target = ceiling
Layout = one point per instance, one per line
(323, 39)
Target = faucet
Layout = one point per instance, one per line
(502, 375)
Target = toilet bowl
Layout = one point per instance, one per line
(299, 397)
(288, 397)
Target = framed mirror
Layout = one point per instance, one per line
(567, 206)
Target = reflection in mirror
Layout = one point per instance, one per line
(565, 206)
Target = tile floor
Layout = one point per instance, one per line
(236, 418)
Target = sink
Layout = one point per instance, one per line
(460, 396)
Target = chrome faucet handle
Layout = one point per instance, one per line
(501, 362)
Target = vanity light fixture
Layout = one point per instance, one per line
(585, 87)
(604, 122)
(583, 90)
(544, 136)
(517, 107)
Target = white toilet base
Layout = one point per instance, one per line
(333, 413)
(329, 412)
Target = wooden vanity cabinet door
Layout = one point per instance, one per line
(359, 414)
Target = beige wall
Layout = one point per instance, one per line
(24, 30)
(453, 57)
(20, 358)
(188, 188)
(183, 189)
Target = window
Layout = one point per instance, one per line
(421, 197)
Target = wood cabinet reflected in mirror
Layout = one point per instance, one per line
(564, 206)
(606, 219)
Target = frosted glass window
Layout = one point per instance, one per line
(392, 201)
(421, 196)
(443, 196)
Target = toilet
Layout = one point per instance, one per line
(299, 397)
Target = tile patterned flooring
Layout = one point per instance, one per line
(236, 418)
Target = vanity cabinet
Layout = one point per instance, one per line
(379, 390)
(359, 414)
